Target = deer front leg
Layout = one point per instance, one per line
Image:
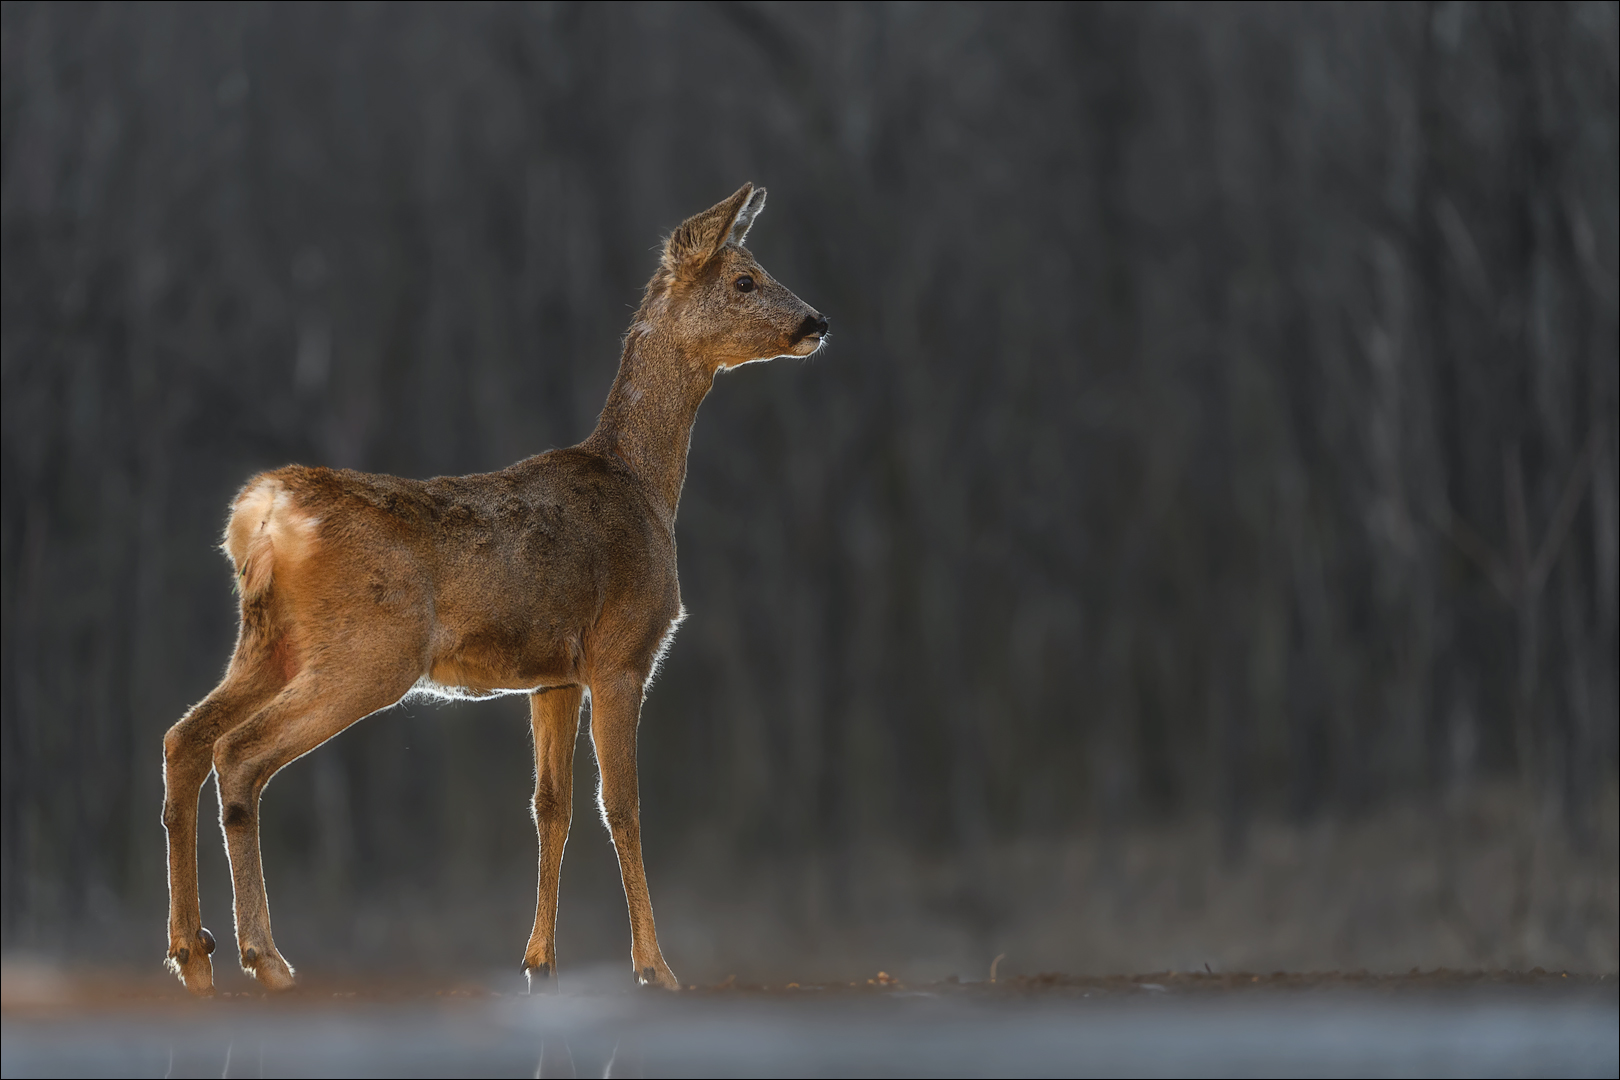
(615, 714)
(554, 712)
(187, 760)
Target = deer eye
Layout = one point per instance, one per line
(745, 284)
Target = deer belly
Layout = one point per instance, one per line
(480, 667)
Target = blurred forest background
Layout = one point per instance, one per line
(1197, 543)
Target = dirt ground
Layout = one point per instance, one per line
(1434, 1023)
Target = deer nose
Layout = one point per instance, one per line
(812, 324)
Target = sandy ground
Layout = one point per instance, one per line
(1438, 1023)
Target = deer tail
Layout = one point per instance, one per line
(266, 528)
(249, 540)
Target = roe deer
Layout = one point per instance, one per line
(554, 577)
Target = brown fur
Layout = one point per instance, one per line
(553, 577)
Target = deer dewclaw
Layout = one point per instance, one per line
(555, 578)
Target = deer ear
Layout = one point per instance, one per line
(700, 237)
(745, 217)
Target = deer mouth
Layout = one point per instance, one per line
(809, 335)
(806, 345)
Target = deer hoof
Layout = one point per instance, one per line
(267, 966)
(207, 940)
(541, 979)
(652, 978)
(192, 968)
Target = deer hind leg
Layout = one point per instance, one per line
(555, 715)
(615, 714)
(319, 702)
(187, 760)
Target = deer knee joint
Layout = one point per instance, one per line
(181, 744)
(548, 801)
(240, 781)
(235, 761)
(619, 816)
(239, 793)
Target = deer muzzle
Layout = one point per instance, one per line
(814, 325)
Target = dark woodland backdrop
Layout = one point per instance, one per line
(1215, 459)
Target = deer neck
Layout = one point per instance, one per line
(647, 421)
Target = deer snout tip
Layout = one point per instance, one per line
(814, 325)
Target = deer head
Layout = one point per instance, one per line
(716, 302)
